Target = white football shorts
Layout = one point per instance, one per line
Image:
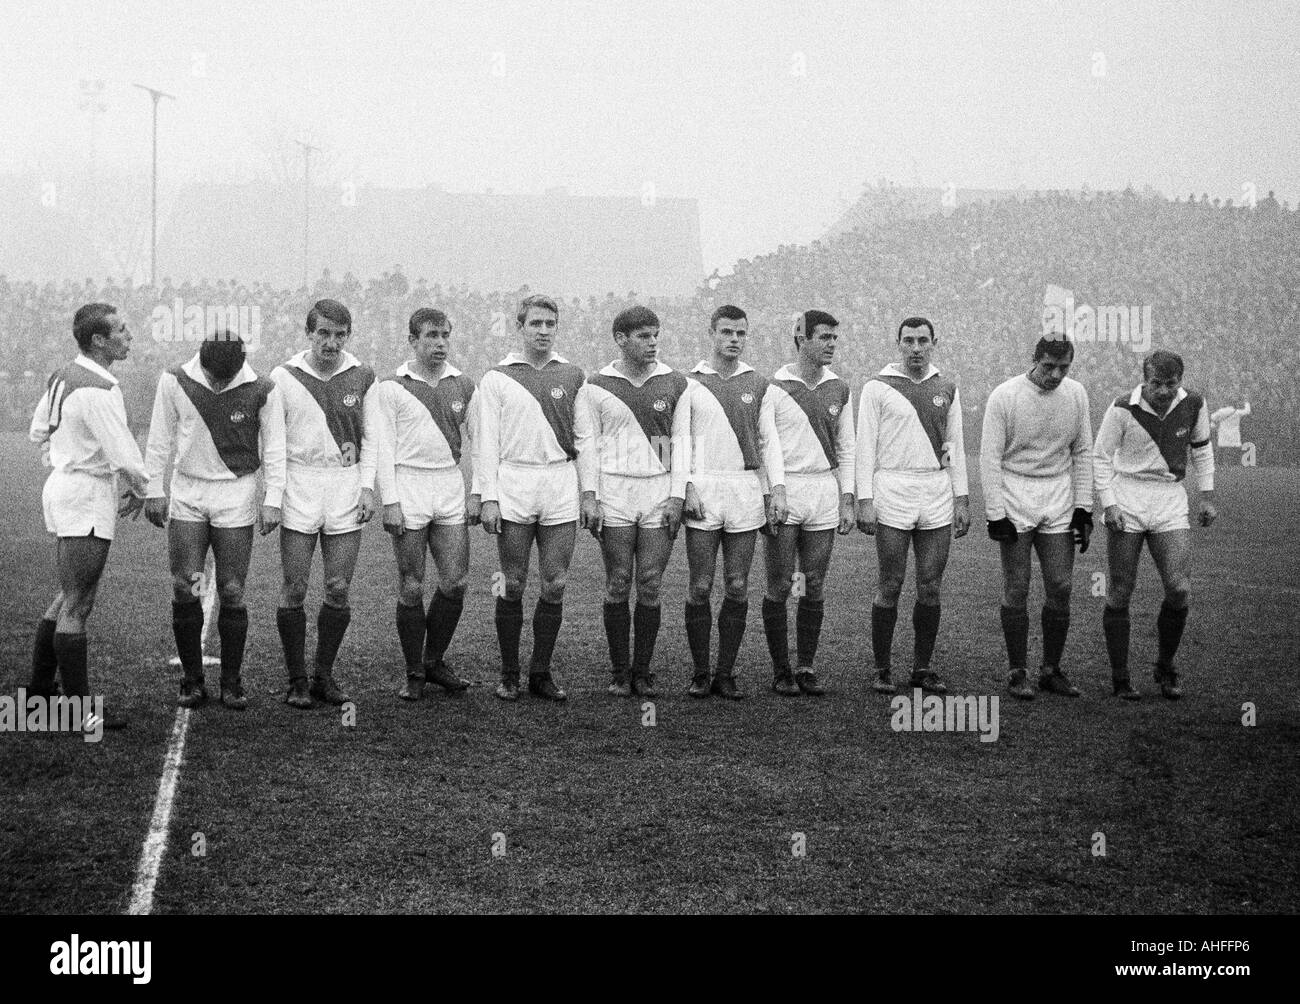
(913, 500)
(814, 500)
(733, 501)
(538, 493)
(222, 504)
(320, 499)
(1151, 506)
(78, 504)
(1042, 504)
(430, 495)
(634, 501)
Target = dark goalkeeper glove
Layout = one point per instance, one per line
(1081, 527)
(1002, 530)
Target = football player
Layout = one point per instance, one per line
(418, 425)
(641, 418)
(532, 456)
(814, 425)
(1036, 468)
(223, 422)
(1139, 462)
(736, 486)
(81, 421)
(328, 495)
(911, 488)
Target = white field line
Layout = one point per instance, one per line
(155, 842)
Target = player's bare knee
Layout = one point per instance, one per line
(618, 587)
(928, 592)
(183, 587)
(1178, 592)
(231, 595)
(889, 589)
(410, 591)
(647, 590)
(812, 586)
(293, 592)
(736, 587)
(778, 590)
(454, 587)
(336, 591)
(1056, 593)
(700, 589)
(1015, 595)
(552, 590)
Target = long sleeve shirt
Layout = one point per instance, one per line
(324, 416)
(216, 435)
(910, 425)
(1036, 433)
(814, 425)
(532, 415)
(1135, 442)
(81, 417)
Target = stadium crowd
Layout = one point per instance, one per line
(1219, 281)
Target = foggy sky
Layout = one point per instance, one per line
(701, 100)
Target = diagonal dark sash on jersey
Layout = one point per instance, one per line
(1172, 434)
(921, 397)
(233, 418)
(63, 382)
(640, 401)
(816, 402)
(742, 417)
(346, 421)
(439, 402)
(558, 409)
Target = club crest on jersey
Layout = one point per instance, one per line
(236, 417)
(939, 400)
(747, 397)
(457, 406)
(1181, 432)
(834, 409)
(557, 392)
(350, 400)
(661, 405)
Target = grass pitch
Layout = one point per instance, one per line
(470, 804)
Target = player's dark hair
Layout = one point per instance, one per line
(1163, 365)
(89, 321)
(727, 312)
(1055, 346)
(806, 323)
(331, 310)
(427, 315)
(222, 354)
(915, 322)
(632, 318)
(536, 300)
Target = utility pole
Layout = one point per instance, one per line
(307, 151)
(157, 96)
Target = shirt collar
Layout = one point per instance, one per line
(406, 370)
(514, 359)
(94, 367)
(788, 372)
(1136, 398)
(660, 369)
(893, 369)
(704, 367)
(194, 370)
(301, 360)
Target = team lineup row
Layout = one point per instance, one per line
(630, 453)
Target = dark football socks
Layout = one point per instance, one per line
(232, 629)
(510, 624)
(70, 650)
(883, 620)
(776, 628)
(547, 618)
(731, 629)
(1115, 625)
(45, 664)
(618, 625)
(925, 626)
(291, 622)
(1169, 627)
(331, 625)
(1056, 625)
(1015, 629)
(410, 633)
(440, 625)
(808, 629)
(187, 627)
(699, 628)
(645, 625)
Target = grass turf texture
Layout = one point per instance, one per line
(698, 812)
